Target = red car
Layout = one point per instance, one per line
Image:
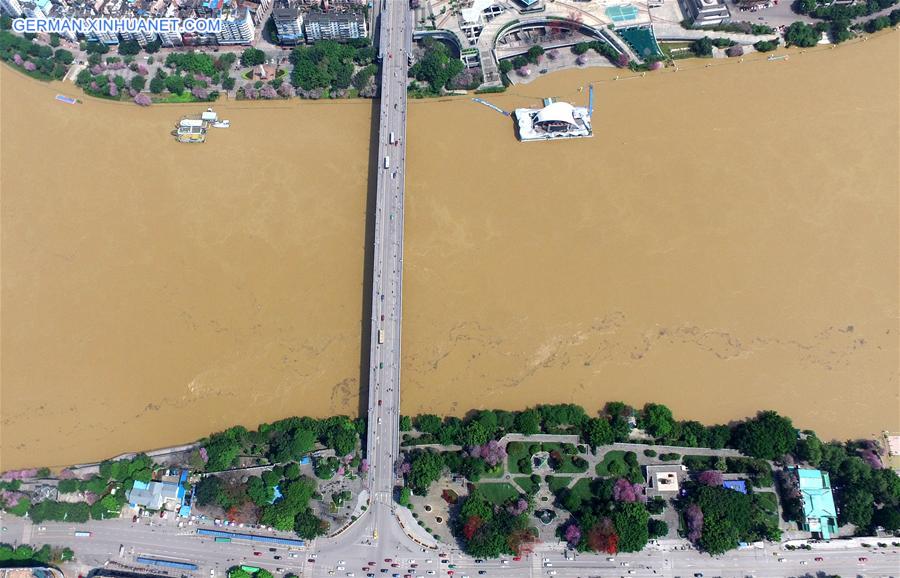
(819, 559)
(257, 553)
(388, 560)
(517, 558)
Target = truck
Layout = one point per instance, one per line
(387, 162)
(393, 138)
(224, 540)
(380, 336)
(82, 534)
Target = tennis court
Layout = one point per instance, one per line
(622, 13)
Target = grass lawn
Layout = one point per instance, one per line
(609, 458)
(567, 466)
(582, 489)
(526, 484)
(768, 503)
(498, 493)
(621, 469)
(550, 446)
(516, 451)
(185, 96)
(557, 483)
(494, 472)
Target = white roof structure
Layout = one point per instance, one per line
(473, 13)
(557, 112)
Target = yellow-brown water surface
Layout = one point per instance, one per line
(728, 241)
(156, 291)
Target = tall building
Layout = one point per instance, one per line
(11, 8)
(288, 22)
(706, 12)
(334, 26)
(237, 27)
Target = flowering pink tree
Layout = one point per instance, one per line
(523, 71)
(581, 60)
(94, 85)
(203, 455)
(142, 70)
(625, 491)
(693, 517)
(552, 54)
(572, 535)
(364, 466)
(655, 65)
(29, 66)
(97, 69)
(19, 474)
(710, 478)
(492, 452)
(268, 92)
(517, 507)
(622, 61)
(286, 90)
(17, 58)
(200, 93)
(9, 499)
(340, 470)
(113, 90)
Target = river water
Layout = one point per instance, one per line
(727, 242)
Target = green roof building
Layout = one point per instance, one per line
(820, 515)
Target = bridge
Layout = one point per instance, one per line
(378, 533)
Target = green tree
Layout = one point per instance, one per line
(138, 82)
(857, 507)
(475, 434)
(630, 521)
(64, 56)
(598, 432)
(809, 450)
(129, 48)
(252, 57)
(528, 422)
(506, 66)
(405, 423)
(534, 53)
(428, 423)
(258, 491)
(403, 500)
(425, 468)
(801, 34)
(657, 528)
(702, 46)
(157, 85)
(768, 436)
(175, 85)
(657, 420)
(68, 486)
(308, 526)
(209, 491)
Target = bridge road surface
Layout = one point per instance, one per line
(378, 534)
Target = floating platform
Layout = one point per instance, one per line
(557, 120)
(66, 99)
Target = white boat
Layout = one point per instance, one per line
(222, 124)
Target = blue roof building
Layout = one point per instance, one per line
(819, 512)
(736, 485)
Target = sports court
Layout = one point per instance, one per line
(622, 13)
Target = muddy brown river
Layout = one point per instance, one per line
(727, 242)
